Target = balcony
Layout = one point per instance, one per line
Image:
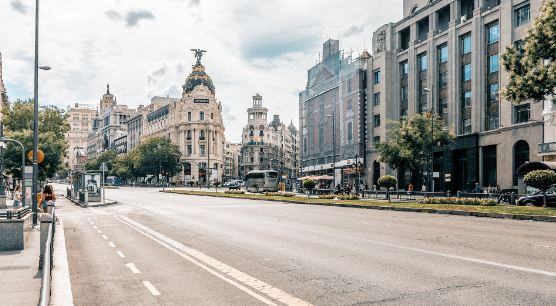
(547, 148)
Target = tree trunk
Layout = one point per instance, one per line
(544, 199)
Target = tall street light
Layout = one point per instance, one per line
(333, 116)
(34, 189)
(431, 167)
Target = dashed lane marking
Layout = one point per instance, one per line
(243, 281)
(95, 227)
(133, 268)
(151, 288)
(105, 237)
(112, 244)
(99, 231)
(120, 254)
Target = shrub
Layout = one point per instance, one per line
(387, 181)
(348, 197)
(279, 194)
(458, 201)
(309, 184)
(327, 196)
(541, 179)
(190, 183)
(234, 191)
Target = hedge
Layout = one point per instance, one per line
(279, 194)
(458, 201)
(234, 191)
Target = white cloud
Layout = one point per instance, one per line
(141, 48)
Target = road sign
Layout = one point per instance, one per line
(103, 167)
(40, 156)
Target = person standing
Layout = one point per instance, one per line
(17, 196)
(47, 196)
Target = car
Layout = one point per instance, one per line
(536, 199)
(235, 184)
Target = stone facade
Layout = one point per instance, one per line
(445, 56)
(194, 123)
(109, 125)
(3, 92)
(231, 161)
(80, 120)
(333, 121)
(268, 145)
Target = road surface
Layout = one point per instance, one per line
(167, 249)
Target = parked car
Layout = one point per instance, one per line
(536, 199)
(234, 184)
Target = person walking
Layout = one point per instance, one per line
(17, 196)
(47, 196)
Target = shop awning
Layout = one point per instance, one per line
(532, 166)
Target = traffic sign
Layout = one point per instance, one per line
(103, 167)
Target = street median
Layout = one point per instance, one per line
(489, 211)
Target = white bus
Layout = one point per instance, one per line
(261, 181)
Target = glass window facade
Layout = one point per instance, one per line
(404, 70)
(493, 63)
(522, 15)
(376, 120)
(466, 44)
(376, 99)
(522, 113)
(423, 62)
(467, 72)
(376, 76)
(493, 34)
(349, 131)
(492, 111)
(443, 54)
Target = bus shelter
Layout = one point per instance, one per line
(86, 186)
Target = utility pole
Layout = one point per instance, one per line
(34, 189)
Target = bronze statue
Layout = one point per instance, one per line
(198, 55)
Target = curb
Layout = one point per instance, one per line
(94, 205)
(404, 209)
(61, 283)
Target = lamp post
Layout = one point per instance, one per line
(431, 167)
(34, 189)
(333, 116)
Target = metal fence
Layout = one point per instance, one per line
(47, 261)
(15, 214)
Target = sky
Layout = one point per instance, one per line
(142, 48)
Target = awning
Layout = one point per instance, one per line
(532, 166)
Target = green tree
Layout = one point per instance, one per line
(108, 157)
(18, 121)
(124, 166)
(387, 181)
(532, 67)
(540, 179)
(157, 155)
(408, 144)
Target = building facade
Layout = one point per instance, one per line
(3, 91)
(80, 119)
(109, 125)
(232, 153)
(268, 145)
(333, 118)
(444, 56)
(194, 123)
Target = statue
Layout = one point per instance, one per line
(380, 41)
(198, 55)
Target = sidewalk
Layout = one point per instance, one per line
(20, 277)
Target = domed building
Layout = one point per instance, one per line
(194, 123)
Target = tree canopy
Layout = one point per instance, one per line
(18, 121)
(408, 144)
(532, 65)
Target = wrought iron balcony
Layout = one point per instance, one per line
(549, 147)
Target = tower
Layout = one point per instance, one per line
(107, 100)
(3, 93)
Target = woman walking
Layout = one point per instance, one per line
(17, 196)
(47, 196)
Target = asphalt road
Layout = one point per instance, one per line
(168, 249)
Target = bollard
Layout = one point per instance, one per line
(46, 221)
(512, 199)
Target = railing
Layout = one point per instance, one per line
(45, 262)
(547, 147)
(15, 214)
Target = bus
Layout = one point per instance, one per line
(261, 181)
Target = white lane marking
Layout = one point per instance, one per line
(446, 255)
(219, 269)
(99, 231)
(151, 288)
(120, 254)
(112, 244)
(105, 237)
(88, 219)
(92, 223)
(95, 227)
(545, 246)
(133, 268)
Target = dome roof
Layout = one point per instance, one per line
(291, 127)
(198, 77)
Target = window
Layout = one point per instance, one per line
(493, 92)
(376, 120)
(188, 134)
(493, 63)
(467, 99)
(202, 134)
(376, 139)
(202, 116)
(521, 113)
(493, 34)
(467, 72)
(404, 68)
(202, 150)
(348, 85)
(188, 116)
(519, 45)
(376, 99)
(466, 44)
(376, 76)
(522, 15)
(521, 156)
(348, 104)
(423, 62)
(443, 54)
(189, 151)
(211, 115)
(350, 131)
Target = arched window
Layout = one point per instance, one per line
(261, 133)
(521, 156)
(413, 10)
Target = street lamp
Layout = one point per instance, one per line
(333, 116)
(34, 189)
(431, 167)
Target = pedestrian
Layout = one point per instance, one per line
(410, 187)
(477, 189)
(47, 196)
(17, 196)
(423, 188)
